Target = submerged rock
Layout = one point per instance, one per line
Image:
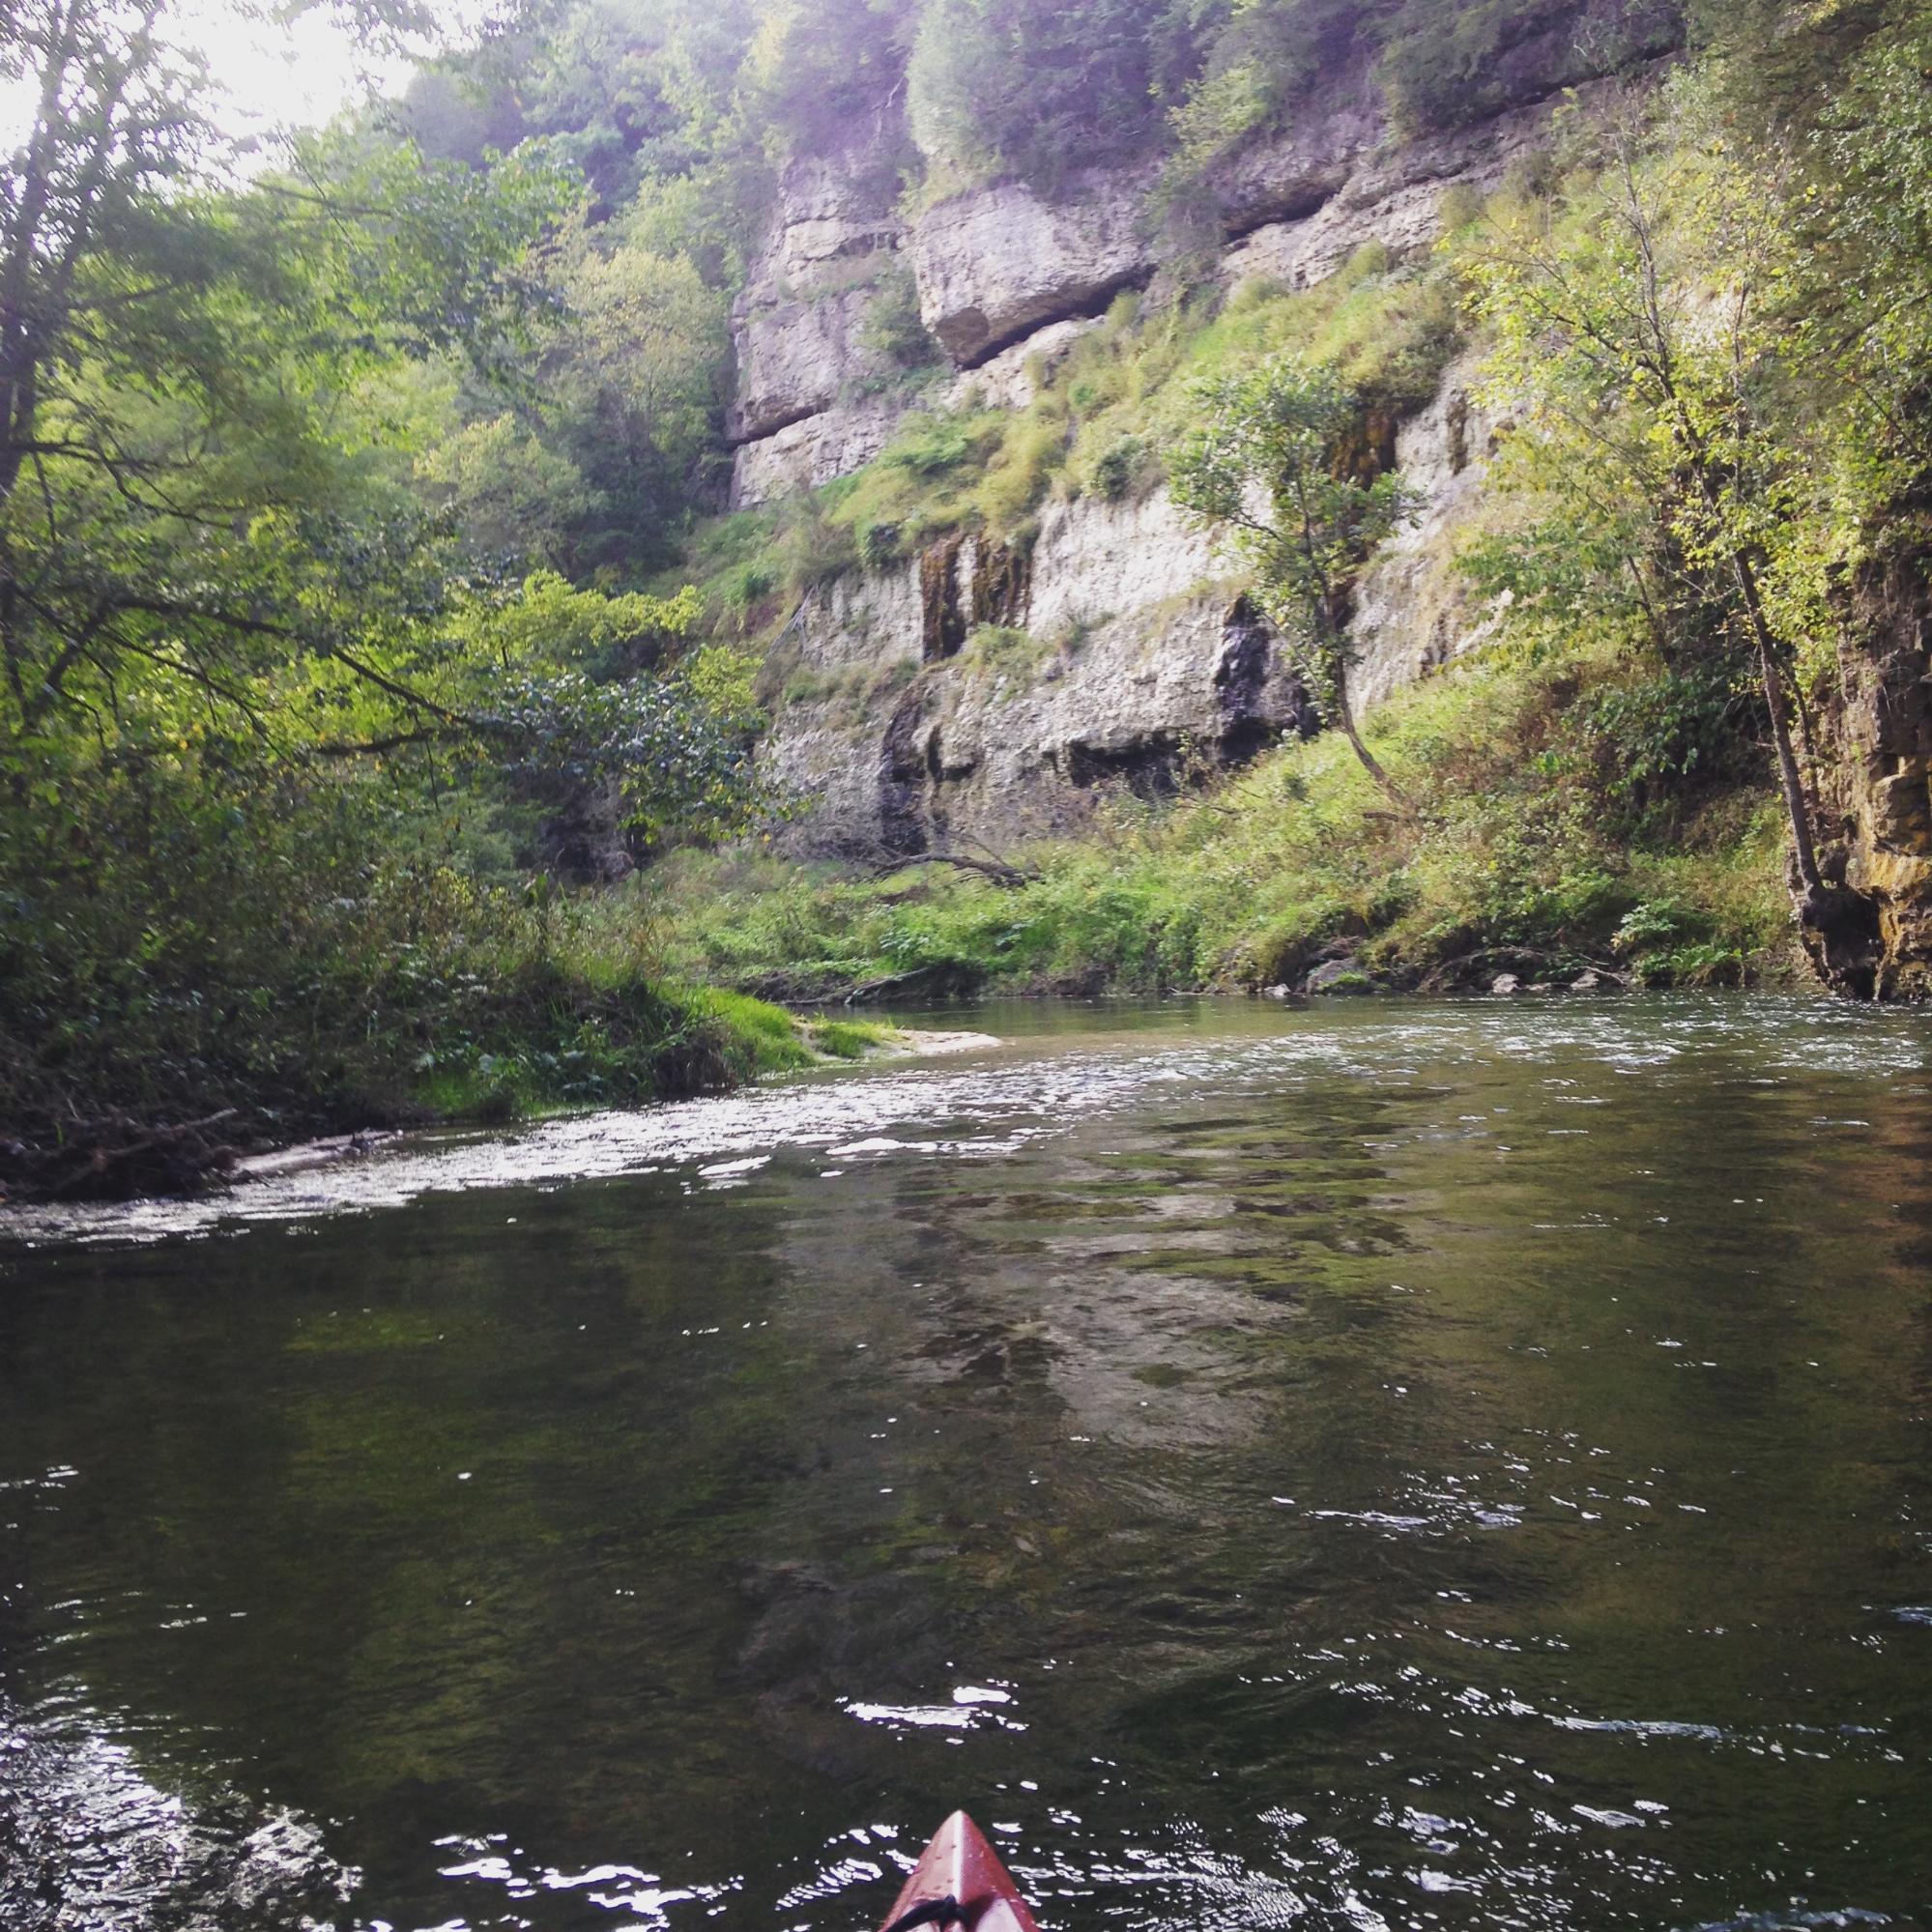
(1342, 977)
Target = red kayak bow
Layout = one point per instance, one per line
(960, 1883)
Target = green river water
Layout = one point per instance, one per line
(1401, 1465)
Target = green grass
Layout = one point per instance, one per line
(432, 996)
(1242, 886)
(848, 1039)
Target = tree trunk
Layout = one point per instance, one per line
(1344, 716)
(1791, 781)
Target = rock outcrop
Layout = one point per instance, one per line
(795, 358)
(1877, 783)
(1298, 209)
(997, 263)
(992, 269)
(975, 693)
(814, 449)
(813, 365)
(1414, 611)
(981, 690)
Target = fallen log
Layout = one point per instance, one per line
(120, 1157)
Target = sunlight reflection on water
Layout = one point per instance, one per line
(1404, 1466)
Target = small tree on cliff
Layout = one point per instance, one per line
(1265, 469)
(1645, 323)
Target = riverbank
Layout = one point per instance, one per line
(1553, 841)
(436, 1001)
(1552, 838)
(144, 1159)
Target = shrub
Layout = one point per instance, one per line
(1117, 467)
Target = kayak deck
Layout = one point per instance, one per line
(959, 1880)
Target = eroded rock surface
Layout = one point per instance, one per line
(813, 450)
(1878, 790)
(977, 692)
(1414, 611)
(811, 361)
(995, 263)
(981, 690)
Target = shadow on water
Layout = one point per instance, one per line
(1409, 1466)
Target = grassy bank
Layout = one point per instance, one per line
(429, 998)
(1551, 837)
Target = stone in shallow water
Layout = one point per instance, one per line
(1340, 976)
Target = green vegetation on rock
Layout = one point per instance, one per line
(1512, 854)
(370, 614)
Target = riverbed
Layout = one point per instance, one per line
(1394, 1465)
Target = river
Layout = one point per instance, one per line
(1400, 1465)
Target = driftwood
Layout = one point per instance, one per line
(1000, 870)
(119, 1158)
(940, 977)
(996, 870)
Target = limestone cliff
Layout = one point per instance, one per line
(1872, 751)
(926, 715)
(975, 692)
(814, 373)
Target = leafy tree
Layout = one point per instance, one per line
(1263, 467)
(248, 680)
(1034, 87)
(1638, 330)
(630, 89)
(1446, 62)
(1779, 66)
(638, 382)
(454, 114)
(1872, 194)
(511, 492)
(178, 363)
(818, 68)
(553, 674)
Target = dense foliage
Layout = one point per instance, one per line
(349, 486)
(252, 678)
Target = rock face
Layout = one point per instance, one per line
(813, 450)
(992, 270)
(982, 693)
(1010, 379)
(1299, 209)
(1877, 787)
(795, 358)
(813, 367)
(979, 691)
(1414, 611)
(995, 263)
(975, 694)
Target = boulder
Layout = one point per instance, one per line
(995, 263)
(1338, 977)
